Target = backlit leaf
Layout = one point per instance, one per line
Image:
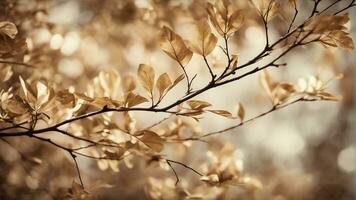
(173, 45)
(151, 139)
(241, 112)
(205, 41)
(134, 99)
(146, 75)
(163, 83)
(198, 104)
(267, 83)
(178, 79)
(223, 113)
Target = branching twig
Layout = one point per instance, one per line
(174, 171)
(274, 108)
(184, 165)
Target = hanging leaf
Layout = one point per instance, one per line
(267, 83)
(205, 41)
(234, 61)
(8, 28)
(178, 79)
(198, 104)
(331, 30)
(223, 113)
(173, 45)
(163, 83)
(267, 8)
(225, 21)
(146, 75)
(329, 97)
(235, 21)
(151, 139)
(29, 93)
(241, 112)
(134, 99)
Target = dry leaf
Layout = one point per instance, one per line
(172, 44)
(331, 30)
(198, 104)
(146, 75)
(267, 83)
(151, 139)
(134, 99)
(178, 79)
(27, 90)
(225, 21)
(163, 83)
(223, 113)
(234, 61)
(267, 8)
(205, 41)
(8, 28)
(241, 112)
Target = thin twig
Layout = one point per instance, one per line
(174, 171)
(16, 63)
(274, 108)
(184, 165)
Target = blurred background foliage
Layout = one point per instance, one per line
(306, 151)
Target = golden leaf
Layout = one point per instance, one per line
(8, 28)
(163, 83)
(329, 97)
(151, 139)
(267, 83)
(241, 112)
(235, 22)
(43, 94)
(216, 19)
(223, 113)
(178, 79)
(205, 42)
(234, 61)
(198, 104)
(223, 19)
(29, 93)
(134, 99)
(287, 87)
(146, 75)
(282, 92)
(268, 8)
(17, 106)
(173, 45)
(65, 97)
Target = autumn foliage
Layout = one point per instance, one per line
(92, 117)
